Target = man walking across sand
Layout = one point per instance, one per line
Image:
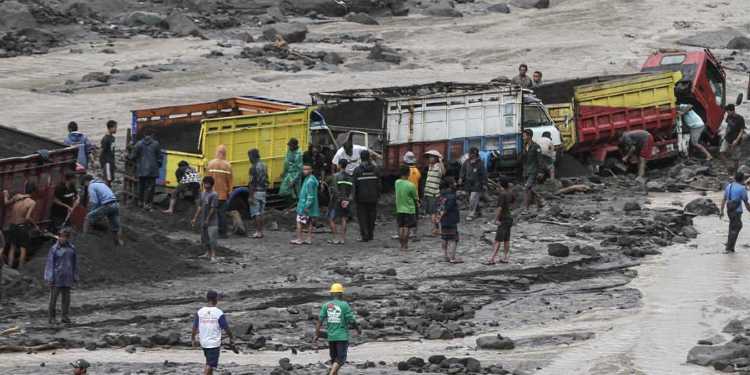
(735, 195)
(337, 315)
(206, 216)
(208, 324)
(61, 273)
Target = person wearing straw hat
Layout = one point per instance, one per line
(435, 174)
(338, 316)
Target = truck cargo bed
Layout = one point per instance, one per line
(20, 143)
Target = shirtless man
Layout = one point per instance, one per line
(19, 221)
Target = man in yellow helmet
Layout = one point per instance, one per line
(337, 316)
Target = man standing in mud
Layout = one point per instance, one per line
(221, 171)
(107, 153)
(208, 323)
(60, 273)
(338, 316)
(735, 196)
(205, 215)
(473, 178)
(367, 188)
(532, 156)
(148, 159)
(735, 130)
(258, 185)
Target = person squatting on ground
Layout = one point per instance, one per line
(80, 367)
(637, 146)
(148, 159)
(107, 153)
(407, 202)
(76, 138)
(307, 207)
(735, 195)
(206, 216)
(188, 182)
(339, 207)
(733, 135)
(19, 222)
(449, 217)
(694, 125)
(291, 176)
(504, 221)
(532, 159)
(102, 203)
(61, 273)
(65, 200)
(435, 173)
(221, 171)
(367, 188)
(337, 316)
(238, 207)
(208, 324)
(258, 186)
(473, 178)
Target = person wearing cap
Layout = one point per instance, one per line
(473, 177)
(435, 175)
(532, 158)
(80, 367)
(290, 178)
(208, 324)
(61, 273)
(337, 316)
(102, 203)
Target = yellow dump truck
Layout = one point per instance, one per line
(193, 132)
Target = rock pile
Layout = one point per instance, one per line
(442, 364)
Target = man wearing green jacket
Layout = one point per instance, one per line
(307, 206)
(337, 316)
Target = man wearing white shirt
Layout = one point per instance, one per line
(350, 152)
(208, 323)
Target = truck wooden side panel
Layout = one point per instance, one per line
(604, 111)
(16, 171)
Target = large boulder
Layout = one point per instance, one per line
(529, 4)
(139, 18)
(383, 53)
(497, 342)
(702, 206)
(293, 32)
(14, 15)
(499, 8)
(443, 8)
(361, 18)
(739, 42)
(558, 250)
(181, 25)
(719, 354)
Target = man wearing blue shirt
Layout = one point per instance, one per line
(102, 202)
(735, 196)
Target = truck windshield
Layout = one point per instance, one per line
(534, 116)
(717, 83)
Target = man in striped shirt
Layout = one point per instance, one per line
(432, 187)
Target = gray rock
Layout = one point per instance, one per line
(656, 186)
(293, 32)
(181, 25)
(415, 362)
(739, 42)
(14, 15)
(80, 10)
(130, 349)
(361, 18)
(709, 355)
(382, 53)
(140, 18)
(437, 332)
(495, 342)
(443, 8)
(734, 326)
(276, 14)
(640, 252)
(689, 231)
(473, 365)
(96, 76)
(711, 39)
(702, 206)
(499, 8)
(529, 4)
(631, 206)
(334, 58)
(587, 250)
(558, 250)
(436, 359)
(286, 364)
(139, 76)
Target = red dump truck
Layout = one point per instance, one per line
(26, 158)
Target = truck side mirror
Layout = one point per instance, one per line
(739, 99)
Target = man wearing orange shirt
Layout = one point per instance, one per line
(221, 171)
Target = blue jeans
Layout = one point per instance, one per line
(111, 211)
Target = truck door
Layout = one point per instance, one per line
(536, 118)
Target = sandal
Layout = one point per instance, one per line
(489, 263)
(333, 242)
(504, 261)
(257, 235)
(296, 242)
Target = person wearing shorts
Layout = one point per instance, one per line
(307, 206)
(18, 216)
(258, 186)
(637, 145)
(504, 222)
(694, 123)
(208, 324)
(406, 206)
(337, 316)
(207, 216)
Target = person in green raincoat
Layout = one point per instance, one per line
(307, 207)
(290, 178)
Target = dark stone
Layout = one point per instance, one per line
(499, 8)
(739, 42)
(631, 206)
(257, 342)
(656, 186)
(286, 364)
(734, 326)
(436, 359)
(473, 365)
(96, 76)
(495, 342)
(139, 18)
(293, 32)
(159, 340)
(334, 58)
(361, 18)
(709, 355)
(415, 362)
(587, 250)
(181, 25)
(402, 366)
(689, 232)
(528, 4)
(437, 332)
(382, 53)
(558, 250)
(640, 253)
(443, 8)
(702, 206)
(139, 76)
(90, 346)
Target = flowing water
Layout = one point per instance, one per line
(689, 293)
